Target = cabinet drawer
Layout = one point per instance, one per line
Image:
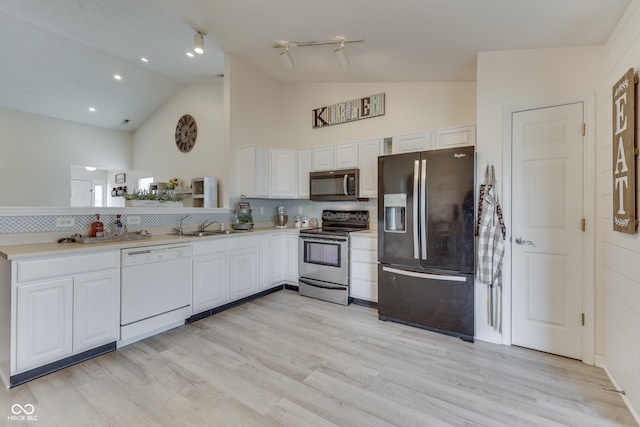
(43, 268)
(360, 255)
(364, 271)
(370, 243)
(209, 246)
(242, 242)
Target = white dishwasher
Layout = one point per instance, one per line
(155, 290)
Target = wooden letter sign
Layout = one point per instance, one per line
(624, 150)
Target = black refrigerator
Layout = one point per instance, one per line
(426, 240)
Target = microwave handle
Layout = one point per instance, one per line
(344, 184)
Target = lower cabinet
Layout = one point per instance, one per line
(364, 268)
(243, 267)
(210, 281)
(62, 317)
(291, 251)
(272, 260)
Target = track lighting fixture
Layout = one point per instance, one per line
(340, 52)
(198, 41)
(341, 56)
(286, 59)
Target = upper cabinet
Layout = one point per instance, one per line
(255, 164)
(368, 152)
(322, 159)
(346, 156)
(283, 174)
(456, 137)
(414, 142)
(304, 167)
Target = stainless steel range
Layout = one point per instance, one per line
(323, 258)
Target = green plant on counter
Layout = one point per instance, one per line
(246, 219)
(162, 196)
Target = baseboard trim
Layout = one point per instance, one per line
(364, 303)
(211, 312)
(49, 368)
(626, 401)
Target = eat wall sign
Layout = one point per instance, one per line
(349, 111)
(624, 155)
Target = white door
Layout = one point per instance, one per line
(81, 193)
(547, 235)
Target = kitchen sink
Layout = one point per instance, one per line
(203, 233)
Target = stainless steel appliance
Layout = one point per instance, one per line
(337, 185)
(426, 240)
(323, 263)
(155, 290)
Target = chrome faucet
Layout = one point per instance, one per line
(179, 229)
(204, 225)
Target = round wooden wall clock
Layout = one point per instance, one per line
(186, 133)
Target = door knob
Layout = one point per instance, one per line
(523, 242)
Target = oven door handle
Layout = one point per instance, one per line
(323, 285)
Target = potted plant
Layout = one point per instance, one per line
(146, 198)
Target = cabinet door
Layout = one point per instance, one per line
(255, 171)
(45, 323)
(456, 137)
(284, 176)
(346, 156)
(291, 267)
(210, 281)
(322, 158)
(410, 143)
(304, 167)
(243, 272)
(278, 261)
(368, 152)
(96, 310)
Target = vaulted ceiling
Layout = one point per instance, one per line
(59, 56)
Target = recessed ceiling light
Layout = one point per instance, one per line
(92, 109)
(117, 76)
(190, 55)
(90, 168)
(144, 59)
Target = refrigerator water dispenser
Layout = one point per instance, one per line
(395, 208)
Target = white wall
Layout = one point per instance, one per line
(509, 78)
(620, 252)
(37, 153)
(409, 108)
(155, 149)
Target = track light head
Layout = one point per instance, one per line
(341, 56)
(198, 41)
(286, 59)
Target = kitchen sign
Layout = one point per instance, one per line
(348, 111)
(624, 155)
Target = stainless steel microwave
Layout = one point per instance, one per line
(336, 185)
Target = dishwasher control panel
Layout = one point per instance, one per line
(152, 254)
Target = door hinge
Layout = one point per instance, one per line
(582, 319)
(584, 129)
(583, 224)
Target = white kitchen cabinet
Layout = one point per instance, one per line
(456, 137)
(255, 174)
(96, 309)
(244, 264)
(304, 167)
(364, 267)
(44, 323)
(368, 152)
(273, 261)
(322, 159)
(64, 305)
(291, 251)
(284, 177)
(346, 156)
(414, 142)
(210, 274)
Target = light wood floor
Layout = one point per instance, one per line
(287, 360)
